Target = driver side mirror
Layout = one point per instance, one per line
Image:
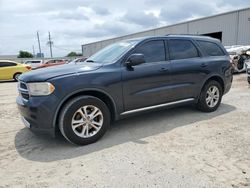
(135, 59)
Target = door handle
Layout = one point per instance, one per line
(204, 65)
(164, 70)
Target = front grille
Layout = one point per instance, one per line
(23, 90)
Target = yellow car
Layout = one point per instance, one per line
(10, 70)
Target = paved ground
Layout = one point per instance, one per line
(179, 147)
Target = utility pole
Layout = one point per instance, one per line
(50, 43)
(34, 54)
(39, 45)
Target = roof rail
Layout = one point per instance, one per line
(197, 35)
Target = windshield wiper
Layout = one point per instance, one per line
(90, 61)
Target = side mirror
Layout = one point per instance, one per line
(135, 59)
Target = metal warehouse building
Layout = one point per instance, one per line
(232, 28)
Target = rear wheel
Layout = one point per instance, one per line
(16, 76)
(84, 120)
(210, 97)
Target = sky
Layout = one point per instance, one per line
(76, 22)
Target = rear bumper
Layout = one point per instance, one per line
(36, 115)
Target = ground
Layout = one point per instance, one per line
(179, 147)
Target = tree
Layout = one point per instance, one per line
(24, 54)
(72, 54)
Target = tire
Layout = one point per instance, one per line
(207, 102)
(16, 76)
(86, 130)
(248, 79)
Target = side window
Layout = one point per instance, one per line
(154, 51)
(182, 49)
(210, 48)
(7, 64)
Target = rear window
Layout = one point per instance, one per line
(210, 48)
(182, 49)
(7, 64)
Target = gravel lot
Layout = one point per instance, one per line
(179, 147)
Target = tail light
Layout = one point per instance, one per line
(28, 67)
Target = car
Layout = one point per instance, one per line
(10, 70)
(34, 63)
(128, 77)
(52, 62)
(78, 60)
(248, 70)
(239, 55)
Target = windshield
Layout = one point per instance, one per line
(112, 52)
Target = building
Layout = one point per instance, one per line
(232, 28)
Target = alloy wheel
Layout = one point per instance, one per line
(212, 96)
(87, 121)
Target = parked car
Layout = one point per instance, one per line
(248, 70)
(52, 62)
(124, 78)
(10, 70)
(239, 55)
(34, 63)
(78, 60)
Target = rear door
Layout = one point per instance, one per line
(189, 69)
(147, 84)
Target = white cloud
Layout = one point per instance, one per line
(74, 22)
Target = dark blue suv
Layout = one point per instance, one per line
(124, 78)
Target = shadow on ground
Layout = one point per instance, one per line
(133, 129)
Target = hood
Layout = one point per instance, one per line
(44, 74)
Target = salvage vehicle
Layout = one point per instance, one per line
(239, 55)
(131, 76)
(248, 70)
(10, 70)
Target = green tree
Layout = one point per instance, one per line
(72, 54)
(24, 54)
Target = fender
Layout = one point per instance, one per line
(211, 76)
(79, 91)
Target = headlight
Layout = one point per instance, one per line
(40, 88)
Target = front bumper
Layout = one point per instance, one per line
(37, 114)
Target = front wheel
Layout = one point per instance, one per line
(16, 76)
(210, 97)
(84, 120)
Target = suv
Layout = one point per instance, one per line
(124, 78)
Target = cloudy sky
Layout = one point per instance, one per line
(76, 22)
